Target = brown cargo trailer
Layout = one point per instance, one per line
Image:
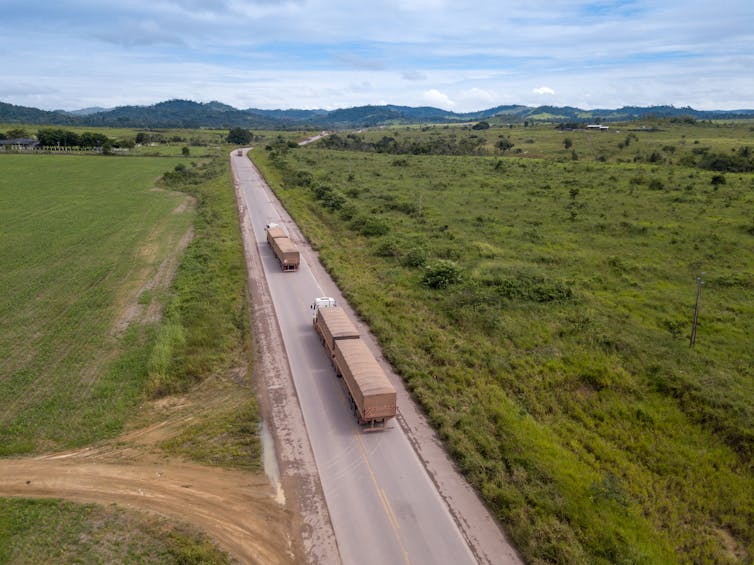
(333, 324)
(273, 232)
(286, 252)
(373, 398)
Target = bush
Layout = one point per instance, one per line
(333, 200)
(371, 226)
(415, 257)
(387, 247)
(441, 274)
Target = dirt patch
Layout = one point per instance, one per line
(138, 303)
(236, 508)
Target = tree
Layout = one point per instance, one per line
(17, 133)
(240, 136)
(185, 151)
(504, 144)
(567, 143)
(481, 125)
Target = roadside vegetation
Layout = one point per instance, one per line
(552, 274)
(84, 237)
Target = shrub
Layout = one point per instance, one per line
(370, 226)
(333, 200)
(387, 247)
(441, 274)
(415, 257)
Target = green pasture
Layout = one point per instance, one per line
(79, 235)
(76, 231)
(555, 298)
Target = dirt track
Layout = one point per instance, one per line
(237, 509)
(234, 508)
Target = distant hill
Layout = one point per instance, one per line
(188, 114)
(10, 114)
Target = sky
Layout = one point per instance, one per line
(459, 56)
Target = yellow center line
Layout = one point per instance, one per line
(383, 498)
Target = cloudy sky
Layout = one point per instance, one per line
(460, 56)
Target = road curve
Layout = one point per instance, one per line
(383, 504)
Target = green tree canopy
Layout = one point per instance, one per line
(239, 136)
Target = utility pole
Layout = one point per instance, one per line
(699, 284)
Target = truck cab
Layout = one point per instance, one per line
(322, 302)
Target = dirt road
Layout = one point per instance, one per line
(234, 508)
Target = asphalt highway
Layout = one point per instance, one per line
(384, 507)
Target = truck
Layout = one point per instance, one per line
(373, 398)
(332, 324)
(274, 231)
(283, 248)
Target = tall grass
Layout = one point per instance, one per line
(557, 367)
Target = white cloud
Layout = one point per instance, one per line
(543, 90)
(317, 53)
(436, 98)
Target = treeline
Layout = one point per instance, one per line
(58, 137)
(441, 145)
(65, 138)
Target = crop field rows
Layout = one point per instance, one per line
(554, 298)
(72, 236)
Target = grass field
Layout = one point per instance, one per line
(82, 238)
(77, 233)
(44, 531)
(555, 296)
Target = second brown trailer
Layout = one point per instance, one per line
(372, 395)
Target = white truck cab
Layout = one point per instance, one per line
(322, 302)
(271, 225)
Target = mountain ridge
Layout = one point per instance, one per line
(178, 113)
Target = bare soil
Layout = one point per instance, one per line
(235, 508)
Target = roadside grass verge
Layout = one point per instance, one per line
(556, 364)
(51, 531)
(205, 329)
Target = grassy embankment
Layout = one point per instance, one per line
(80, 235)
(558, 368)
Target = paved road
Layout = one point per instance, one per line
(383, 505)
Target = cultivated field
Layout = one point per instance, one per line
(81, 237)
(124, 352)
(553, 284)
